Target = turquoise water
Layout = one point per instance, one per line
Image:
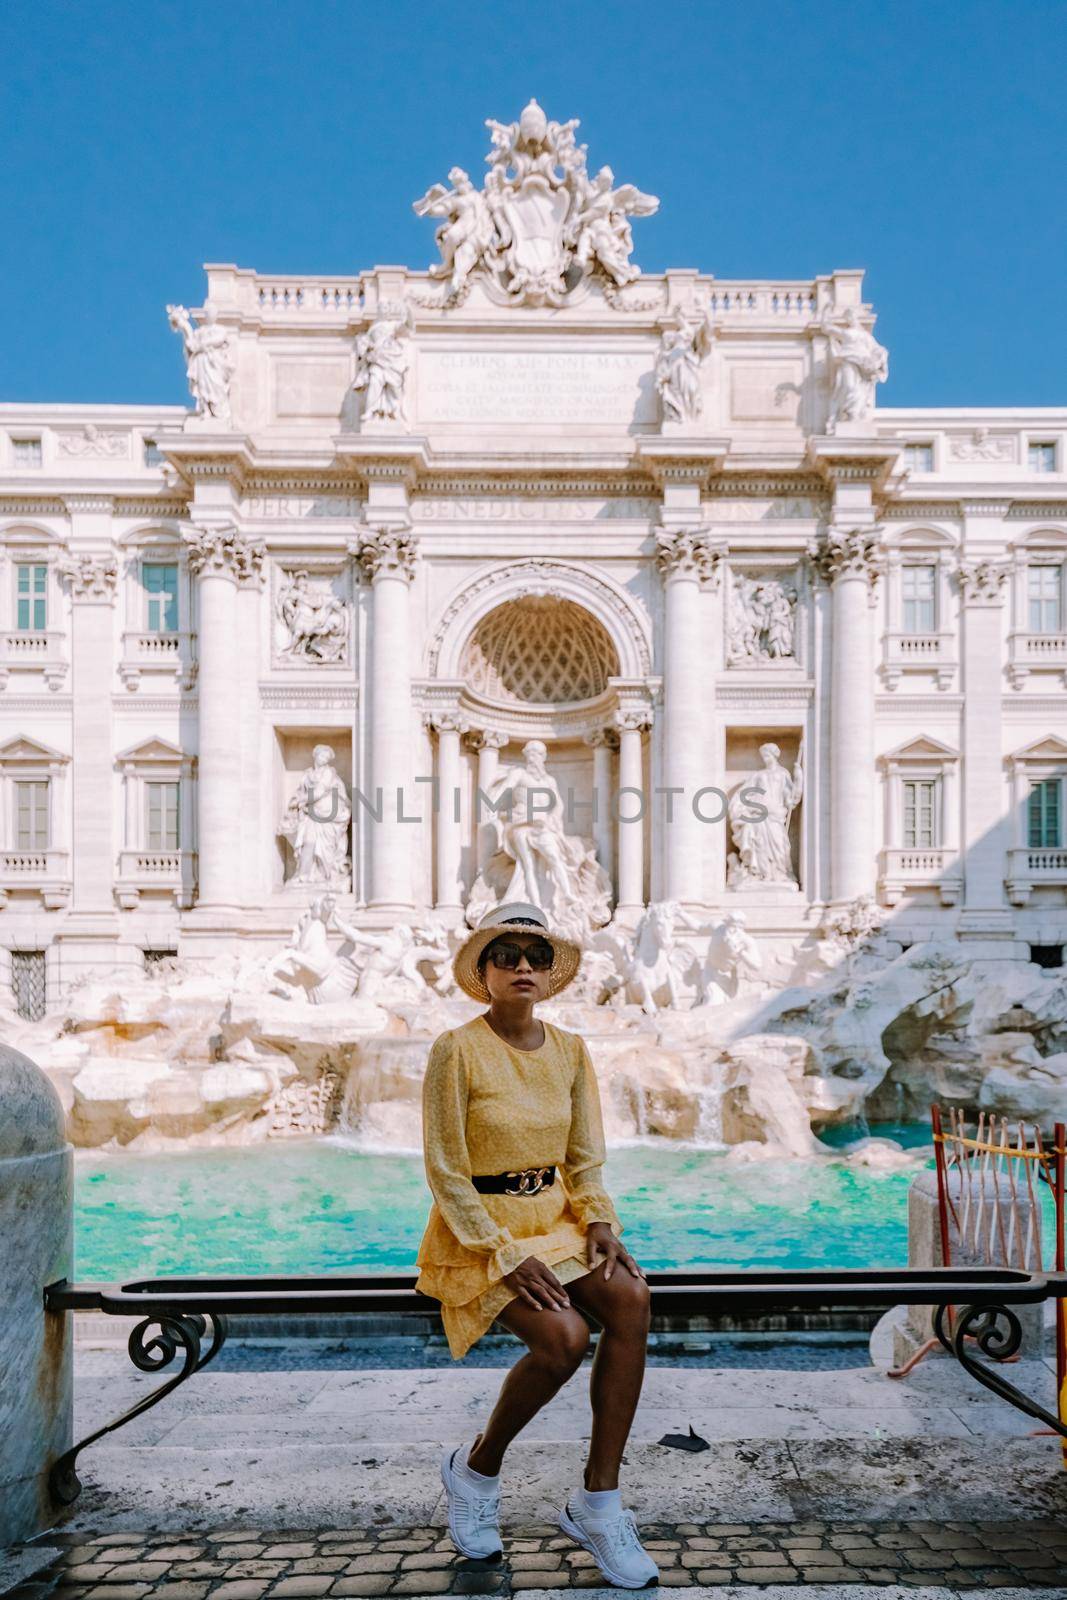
(319, 1205)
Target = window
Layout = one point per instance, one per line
(1043, 814)
(1044, 592)
(152, 454)
(918, 593)
(161, 822)
(28, 983)
(31, 814)
(1048, 956)
(27, 452)
(919, 457)
(31, 598)
(1041, 457)
(920, 813)
(160, 579)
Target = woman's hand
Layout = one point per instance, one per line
(599, 1239)
(537, 1285)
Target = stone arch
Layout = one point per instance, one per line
(624, 622)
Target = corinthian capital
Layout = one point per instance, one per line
(850, 553)
(687, 552)
(982, 582)
(225, 552)
(446, 721)
(386, 552)
(632, 719)
(91, 577)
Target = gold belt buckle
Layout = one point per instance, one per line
(531, 1180)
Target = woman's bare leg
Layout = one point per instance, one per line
(621, 1305)
(556, 1342)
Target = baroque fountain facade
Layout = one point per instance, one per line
(533, 577)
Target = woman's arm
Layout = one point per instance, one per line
(448, 1167)
(586, 1151)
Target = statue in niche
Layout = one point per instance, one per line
(682, 352)
(763, 621)
(467, 236)
(210, 361)
(759, 809)
(316, 824)
(534, 859)
(312, 623)
(857, 363)
(382, 361)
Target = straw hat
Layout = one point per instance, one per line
(514, 917)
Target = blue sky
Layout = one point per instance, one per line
(923, 142)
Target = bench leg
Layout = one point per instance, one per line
(997, 1332)
(177, 1331)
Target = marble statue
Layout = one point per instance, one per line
(382, 361)
(762, 621)
(682, 352)
(534, 859)
(312, 623)
(846, 928)
(316, 824)
(857, 363)
(307, 966)
(385, 965)
(732, 964)
(540, 225)
(467, 236)
(211, 361)
(652, 963)
(759, 809)
(601, 229)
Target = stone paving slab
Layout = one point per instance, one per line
(890, 1557)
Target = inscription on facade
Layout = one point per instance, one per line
(298, 507)
(467, 508)
(551, 386)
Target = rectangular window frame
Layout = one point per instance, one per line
(160, 606)
(912, 447)
(162, 814)
(25, 445)
(1041, 455)
(920, 813)
(31, 822)
(912, 619)
(1044, 814)
(31, 598)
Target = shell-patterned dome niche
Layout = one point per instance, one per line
(539, 650)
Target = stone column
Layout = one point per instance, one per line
(985, 836)
(449, 726)
(88, 938)
(36, 1249)
(631, 805)
(604, 742)
(387, 555)
(687, 560)
(850, 558)
(488, 742)
(220, 557)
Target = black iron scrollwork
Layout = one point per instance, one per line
(177, 1331)
(997, 1332)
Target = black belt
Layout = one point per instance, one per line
(529, 1180)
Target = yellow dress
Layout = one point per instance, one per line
(487, 1108)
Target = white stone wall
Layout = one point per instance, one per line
(532, 460)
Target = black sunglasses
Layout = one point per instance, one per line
(506, 956)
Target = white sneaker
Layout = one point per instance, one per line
(473, 1515)
(613, 1542)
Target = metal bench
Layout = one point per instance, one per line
(188, 1316)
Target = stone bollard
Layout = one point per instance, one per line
(924, 1250)
(36, 1249)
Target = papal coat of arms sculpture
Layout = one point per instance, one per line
(540, 225)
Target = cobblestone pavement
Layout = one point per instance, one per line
(299, 1564)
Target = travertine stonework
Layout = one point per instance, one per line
(429, 520)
